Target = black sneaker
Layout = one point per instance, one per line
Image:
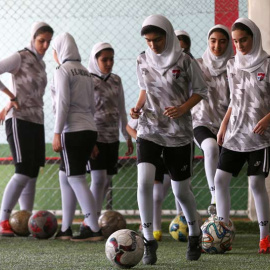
(194, 247)
(212, 209)
(66, 235)
(86, 234)
(150, 248)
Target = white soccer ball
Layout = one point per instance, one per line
(124, 248)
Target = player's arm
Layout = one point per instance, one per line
(223, 127)
(135, 111)
(132, 132)
(262, 125)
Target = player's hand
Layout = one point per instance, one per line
(3, 114)
(135, 113)
(57, 146)
(130, 147)
(173, 112)
(261, 126)
(95, 152)
(221, 135)
(15, 104)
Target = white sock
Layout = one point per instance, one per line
(27, 197)
(166, 184)
(12, 193)
(86, 200)
(185, 196)
(98, 180)
(211, 153)
(257, 185)
(146, 177)
(223, 198)
(69, 201)
(107, 187)
(157, 205)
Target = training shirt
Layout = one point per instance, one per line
(110, 112)
(250, 102)
(170, 89)
(29, 80)
(210, 113)
(73, 97)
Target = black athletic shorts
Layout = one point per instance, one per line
(77, 147)
(232, 161)
(178, 160)
(27, 144)
(201, 133)
(160, 170)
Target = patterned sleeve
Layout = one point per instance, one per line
(133, 123)
(140, 78)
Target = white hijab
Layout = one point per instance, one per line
(217, 64)
(255, 58)
(93, 64)
(172, 51)
(181, 33)
(66, 48)
(31, 46)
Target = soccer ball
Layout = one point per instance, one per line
(217, 237)
(178, 228)
(124, 248)
(19, 222)
(42, 224)
(110, 222)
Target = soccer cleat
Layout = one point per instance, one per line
(264, 246)
(157, 235)
(194, 247)
(5, 229)
(86, 234)
(66, 235)
(150, 248)
(212, 209)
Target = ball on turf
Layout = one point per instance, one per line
(110, 222)
(19, 222)
(217, 237)
(42, 224)
(124, 248)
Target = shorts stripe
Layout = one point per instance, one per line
(16, 141)
(266, 160)
(65, 156)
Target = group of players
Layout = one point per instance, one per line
(217, 100)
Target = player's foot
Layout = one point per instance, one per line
(5, 229)
(86, 234)
(157, 235)
(194, 247)
(264, 246)
(66, 235)
(150, 251)
(212, 209)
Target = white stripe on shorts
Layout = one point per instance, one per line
(266, 160)
(65, 154)
(16, 140)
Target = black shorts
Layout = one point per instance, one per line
(107, 159)
(160, 170)
(77, 147)
(178, 160)
(27, 144)
(201, 133)
(232, 161)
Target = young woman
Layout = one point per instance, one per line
(165, 126)
(74, 136)
(110, 116)
(25, 126)
(244, 132)
(207, 115)
(185, 41)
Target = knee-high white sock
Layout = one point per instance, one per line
(27, 197)
(12, 193)
(177, 206)
(68, 201)
(107, 187)
(223, 198)
(86, 200)
(146, 177)
(157, 205)
(185, 196)
(211, 152)
(257, 184)
(98, 180)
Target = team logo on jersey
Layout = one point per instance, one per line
(144, 71)
(176, 73)
(260, 76)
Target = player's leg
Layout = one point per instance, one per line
(27, 197)
(157, 208)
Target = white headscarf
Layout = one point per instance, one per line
(66, 48)
(181, 33)
(31, 46)
(217, 64)
(255, 58)
(172, 51)
(93, 64)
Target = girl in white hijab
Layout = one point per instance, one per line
(244, 132)
(207, 115)
(184, 40)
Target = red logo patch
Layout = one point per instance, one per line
(260, 76)
(176, 73)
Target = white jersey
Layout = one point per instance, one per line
(73, 96)
(170, 89)
(250, 102)
(210, 113)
